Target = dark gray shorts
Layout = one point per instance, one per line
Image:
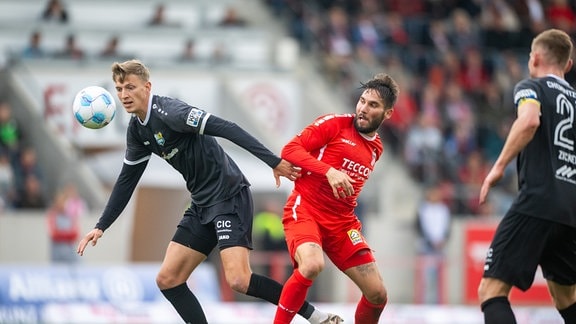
(226, 224)
(521, 243)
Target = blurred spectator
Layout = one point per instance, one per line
(396, 128)
(10, 134)
(423, 149)
(492, 111)
(30, 195)
(110, 50)
(302, 25)
(560, 14)
(474, 74)
(6, 182)
(27, 165)
(231, 18)
(71, 49)
(34, 47)
(450, 64)
(413, 8)
(433, 222)
(500, 23)
(219, 54)
(268, 229)
(464, 32)
(460, 126)
(159, 18)
(367, 38)
(55, 11)
(458, 107)
(458, 144)
(188, 52)
(430, 103)
(436, 37)
(471, 174)
(493, 137)
(396, 37)
(63, 218)
(508, 71)
(269, 236)
(537, 17)
(337, 47)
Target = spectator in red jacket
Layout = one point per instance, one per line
(64, 224)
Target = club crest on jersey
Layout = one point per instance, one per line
(159, 139)
(194, 117)
(355, 236)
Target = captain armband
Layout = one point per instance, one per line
(528, 100)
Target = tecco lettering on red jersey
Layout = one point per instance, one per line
(356, 167)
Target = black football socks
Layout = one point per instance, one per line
(186, 304)
(270, 290)
(497, 310)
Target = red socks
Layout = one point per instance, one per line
(292, 297)
(368, 313)
(295, 291)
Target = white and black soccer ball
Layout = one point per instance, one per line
(94, 107)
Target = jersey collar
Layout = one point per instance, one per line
(559, 79)
(148, 112)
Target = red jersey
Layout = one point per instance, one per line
(332, 141)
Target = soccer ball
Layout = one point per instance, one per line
(94, 107)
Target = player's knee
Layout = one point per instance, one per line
(165, 281)
(377, 296)
(491, 287)
(562, 296)
(482, 291)
(310, 269)
(238, 282)
(485, 290)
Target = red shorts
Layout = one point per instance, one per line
(339, 236)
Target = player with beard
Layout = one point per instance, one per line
(337, 154)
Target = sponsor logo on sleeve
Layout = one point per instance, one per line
(194, 117)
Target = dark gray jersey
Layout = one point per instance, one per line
(547, 165)
(184, 137)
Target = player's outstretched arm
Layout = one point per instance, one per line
(521, 133)
(92, 236)
(287, 170)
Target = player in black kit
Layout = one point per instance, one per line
(221, 211)
(539, 228)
